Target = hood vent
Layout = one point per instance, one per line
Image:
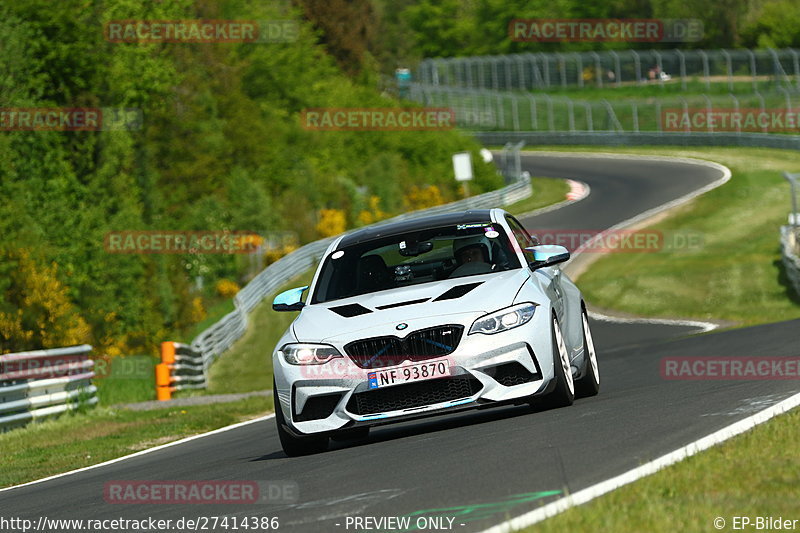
(458, 291)
(401, 304)
(350, 310)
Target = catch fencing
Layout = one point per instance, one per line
(610, 68)
(44, 383)
(487, 110)
(219, 337)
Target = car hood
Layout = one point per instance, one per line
(418, 306)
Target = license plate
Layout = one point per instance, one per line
(408, 373)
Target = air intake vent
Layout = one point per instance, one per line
(350, 310)
(413, 395)
(458, 291)
(401, 304)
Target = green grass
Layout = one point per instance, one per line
(125, 379)
(83, 439)
(736, 274)
(214, 313)
(546, 191)
(753, 474)
(654, 89)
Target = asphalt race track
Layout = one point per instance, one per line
(479, 467)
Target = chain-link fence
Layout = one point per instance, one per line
(487, 110)
(739, 69)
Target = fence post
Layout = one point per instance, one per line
(728, 68)
(792, 179)
(736, 108)
(753, 71)
(617, 69)
(706, 73)
(682, 63)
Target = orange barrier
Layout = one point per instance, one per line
(181, 367)
(163, 378)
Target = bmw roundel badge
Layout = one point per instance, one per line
(401, 326)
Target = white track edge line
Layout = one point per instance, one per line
(599, 489)
(143, 452)
(704, 326)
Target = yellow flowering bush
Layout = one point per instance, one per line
(331, 222)
(226, 288)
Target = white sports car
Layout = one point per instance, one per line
(428, 316)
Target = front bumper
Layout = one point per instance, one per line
(484, 369)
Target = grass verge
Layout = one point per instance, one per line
(546, 191)
(736, 273)
(752, 474)
(83, 439)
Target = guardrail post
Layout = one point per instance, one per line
(792, 179)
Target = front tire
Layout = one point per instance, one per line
(589, 384)
(564, 393)
(295, 446)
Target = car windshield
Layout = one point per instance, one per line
(421, 256)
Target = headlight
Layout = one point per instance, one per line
(309, 354)
(504, 319)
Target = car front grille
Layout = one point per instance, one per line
(380, 352)
(412, 395)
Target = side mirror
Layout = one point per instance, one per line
(289, 300)
(545, 255)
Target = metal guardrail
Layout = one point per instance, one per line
(613, 68)
(181, 368)
(44, 383)
(215, 340)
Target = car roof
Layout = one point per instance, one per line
(414, 224)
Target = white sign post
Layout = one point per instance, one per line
(462, 165)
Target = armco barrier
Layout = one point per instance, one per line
(44, 383)
(181, 368)
(212, 342)
(790, 253)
